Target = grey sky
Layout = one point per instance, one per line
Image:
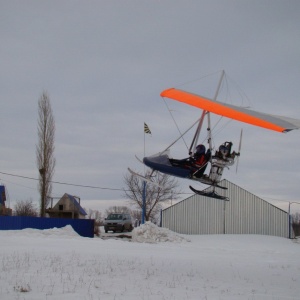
(104, 64)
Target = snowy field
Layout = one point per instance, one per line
(155, 264)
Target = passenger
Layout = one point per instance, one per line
(225, 151)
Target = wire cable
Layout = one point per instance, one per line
(65, 183)
(77, 185)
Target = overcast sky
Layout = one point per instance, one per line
(104, 65)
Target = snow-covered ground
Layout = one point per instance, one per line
(155, 264)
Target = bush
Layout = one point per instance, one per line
(96, 228)
(25, 208)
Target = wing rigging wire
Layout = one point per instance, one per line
(172, 116)
(216, 133)
(227, 99)
(240, 92)
(215, 130)
(181, 135)
(225, 87)
(198, 79)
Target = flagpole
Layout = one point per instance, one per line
(144, 147)
(144, 183)
(148, 131)
(144, 202)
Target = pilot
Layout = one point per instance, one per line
(196, 163)
(199, 154)
(200, 160)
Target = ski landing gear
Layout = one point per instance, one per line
(211, 194)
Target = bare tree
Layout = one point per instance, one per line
(155, 195)
(45, 150)
(25, 208)
(296, 224)
(118, 210)
(296, 218)
(97, 216)
(136, 214)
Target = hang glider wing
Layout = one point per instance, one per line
(272, 122)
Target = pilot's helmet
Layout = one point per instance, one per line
(200, 149)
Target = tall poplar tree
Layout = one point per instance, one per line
(45, 150)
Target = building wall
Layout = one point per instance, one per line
(244, 213)
(69, 209)
(67, 204)
(195, 216)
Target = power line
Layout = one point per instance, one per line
(66, 183)
(73, 184)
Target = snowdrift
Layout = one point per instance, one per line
(150, 233)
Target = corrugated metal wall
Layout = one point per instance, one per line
(244, 213)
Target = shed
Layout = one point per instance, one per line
(67, 207)
(244, 213)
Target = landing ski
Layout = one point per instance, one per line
(206, 180)
(212, 194)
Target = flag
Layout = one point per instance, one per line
(146, 129)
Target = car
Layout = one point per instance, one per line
(118, 222)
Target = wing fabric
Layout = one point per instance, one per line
(272, 122)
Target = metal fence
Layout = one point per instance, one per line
(83, 227)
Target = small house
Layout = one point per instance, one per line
(67, 207)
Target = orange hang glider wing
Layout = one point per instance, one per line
(268, 121)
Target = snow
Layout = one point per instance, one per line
(155, 264)
(150, 233)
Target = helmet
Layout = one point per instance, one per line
(200, 149)
(224, 150)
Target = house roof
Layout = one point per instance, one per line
(76, 203)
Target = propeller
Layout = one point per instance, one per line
(239, 151)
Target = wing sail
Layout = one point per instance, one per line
(268, 121)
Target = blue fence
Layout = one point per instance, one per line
(83, 227)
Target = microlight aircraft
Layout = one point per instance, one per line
(194, 166)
